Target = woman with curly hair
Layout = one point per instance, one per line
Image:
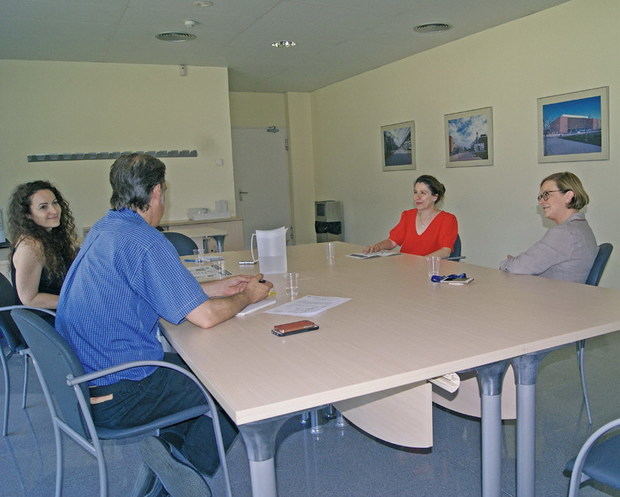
(43, 244)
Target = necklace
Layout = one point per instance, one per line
(423, 224)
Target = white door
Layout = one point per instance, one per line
(260, 163)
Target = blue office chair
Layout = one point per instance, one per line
(65, 387)
(183, 243)
(15, 346)
(600, 462)
(456, 250)
(604, 251)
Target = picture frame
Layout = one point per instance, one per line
(469, 138)
(398, 146)
(574, 126)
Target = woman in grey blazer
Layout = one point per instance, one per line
(568, 249)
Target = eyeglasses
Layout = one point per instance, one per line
(545, 195)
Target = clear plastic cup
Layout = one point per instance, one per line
(330, 252)
(432, 265)
(292, 284)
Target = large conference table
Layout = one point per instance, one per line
(373, 355)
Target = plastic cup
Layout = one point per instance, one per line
(199, 255)
(432, 265)
(330, 252)
(292, 284)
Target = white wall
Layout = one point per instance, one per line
(63, 107)
(567, 48)
(292, 111)
(257, 110)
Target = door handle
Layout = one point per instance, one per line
(241, 194)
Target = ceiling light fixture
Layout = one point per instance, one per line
(432, 27)
(175, 36)
(203, 3)
(283, 44)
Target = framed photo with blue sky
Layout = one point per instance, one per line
(398, 146)
(469, 138)
(574, 126)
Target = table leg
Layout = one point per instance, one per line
(526, 371)
(219, 242)
(260, 441)
(490, 378)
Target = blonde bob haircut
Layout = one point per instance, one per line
(568, 182)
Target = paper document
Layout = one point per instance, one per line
(449, 382)
(381, 253)
(308, 306)
(256, 306)
(210, 272)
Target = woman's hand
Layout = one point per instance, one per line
(386, 244)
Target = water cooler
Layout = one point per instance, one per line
(328, 222)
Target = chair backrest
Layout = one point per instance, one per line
(54, 360)
(7, 325)
(604, 251)
(183, 243)
(456, 250)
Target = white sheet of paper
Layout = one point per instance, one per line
(308, 306)
(256, 306)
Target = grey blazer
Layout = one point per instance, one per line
(566, 252)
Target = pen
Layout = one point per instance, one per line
(455, 258)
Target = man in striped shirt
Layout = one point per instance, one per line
(126, 277)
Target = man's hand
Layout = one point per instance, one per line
(257, 288)
(242, 291)
(227, 286)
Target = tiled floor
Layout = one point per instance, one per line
(346, 462)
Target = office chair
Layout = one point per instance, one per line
(182, 243)
(15, 346)
(600, 462)
(604, 251)
(456, 250)
(65, 387)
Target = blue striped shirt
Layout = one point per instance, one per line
(125, 277)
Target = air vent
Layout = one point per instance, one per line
(432, 27)
(175, 36)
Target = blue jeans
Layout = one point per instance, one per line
(164, 392)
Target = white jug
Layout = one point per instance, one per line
(271, 245)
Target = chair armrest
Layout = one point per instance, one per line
(11, 307)
(72, 381)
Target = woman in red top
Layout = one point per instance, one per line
(424, 230)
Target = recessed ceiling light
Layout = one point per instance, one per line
(283, 44)
(432, 27)
(175, 36)
(203, 3)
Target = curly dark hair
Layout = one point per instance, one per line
(58, 243)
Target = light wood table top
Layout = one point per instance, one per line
(397, 329)
(200, 232)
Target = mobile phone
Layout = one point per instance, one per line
(286, 329)
(247, 263)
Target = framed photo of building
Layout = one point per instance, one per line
(398, 146)
(574, 126)
(469, 138)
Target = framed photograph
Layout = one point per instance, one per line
(398, 146)
(469, 138)
(574, 126)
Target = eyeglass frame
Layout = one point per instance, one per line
(545, 195)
